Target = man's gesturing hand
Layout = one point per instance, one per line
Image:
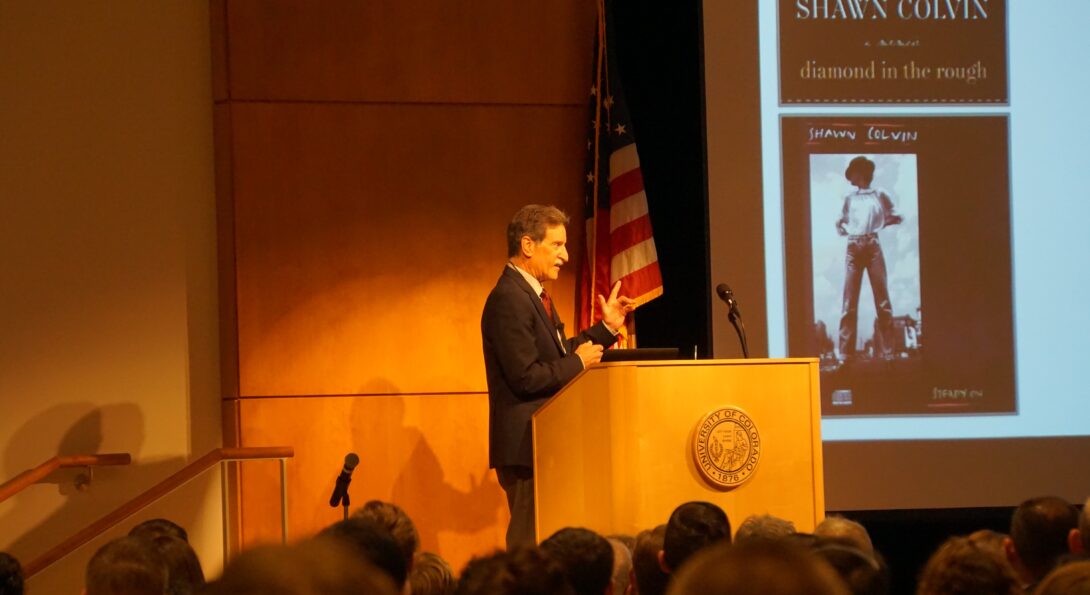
(589, 353)
(615, 308)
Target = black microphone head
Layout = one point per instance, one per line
(724, 291)
(350, 461)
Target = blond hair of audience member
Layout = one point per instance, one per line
(397, 522)
(622, 566)
(1072, 578)
(763, 526)
(838, 528)
(761, 566)
(431, 575)
(962, 567)
(313, 567)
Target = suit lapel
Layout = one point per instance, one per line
(551, 326)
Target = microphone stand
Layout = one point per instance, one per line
(740, 328)
(345, 503)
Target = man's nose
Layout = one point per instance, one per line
(563, 254)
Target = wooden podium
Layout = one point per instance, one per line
(614, 450)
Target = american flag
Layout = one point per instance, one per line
(620, 245)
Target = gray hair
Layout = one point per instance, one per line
(532, 221)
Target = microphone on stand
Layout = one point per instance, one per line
(733, 314)
(340, 491)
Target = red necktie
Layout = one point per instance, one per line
(548, 303)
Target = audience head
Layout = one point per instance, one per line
(1039, 535)
(961, 567)
(152, 528)
(766, 567)
(399, 525)
(325, 566)
(692, 527)
(372, 543)
(862, 573)
(431, 575)
(1069, 579)
(646, 572)
(847, 531)
(585, 556)
(184, 573)
(622, 565)
(764, 526)
(525, 570)
(11, 575)
(1079, 539)
(126, 566)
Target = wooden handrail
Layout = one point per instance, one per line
(149, 496)
(32, 476)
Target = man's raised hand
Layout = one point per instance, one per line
(615, 308)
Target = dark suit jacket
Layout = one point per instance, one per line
(524, 364)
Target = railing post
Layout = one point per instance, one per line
(284, 499)
(226, 502)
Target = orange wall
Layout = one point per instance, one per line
(369, 156)
(108, 295)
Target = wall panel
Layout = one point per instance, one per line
(437, 51)
(426, 453)
(369, 236)
(369, 156)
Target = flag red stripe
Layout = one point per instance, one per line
(642, 281)
(630, 234)
(625, 185)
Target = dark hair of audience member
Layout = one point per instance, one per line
(862, 574)
(152, 528)
(373, 543)
(11, 575)
(759, 566)
(325, 566)
(649, 577)
(1084, 527)
(961, 567)
(431, 575)
(585, 556)
(184, 573)
(525, 570)
(763, 526)
(692, 527)
(1070, 579)
(1039, 532)
(845, 531)
(397, 522)
(126, 566)
(622, 565)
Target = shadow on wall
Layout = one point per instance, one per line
(45, 514)
(420, 484)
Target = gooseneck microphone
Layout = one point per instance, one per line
(734, 315)
(340, 491)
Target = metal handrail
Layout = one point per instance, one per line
(168, 485)
(32, 476)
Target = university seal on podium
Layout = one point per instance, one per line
(727, 447)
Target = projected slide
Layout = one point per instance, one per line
(893, 51)
(898, 242)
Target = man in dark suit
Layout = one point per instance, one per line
(527, 356)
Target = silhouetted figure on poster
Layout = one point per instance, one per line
(866, 212)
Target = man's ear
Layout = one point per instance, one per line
(1008, 550)
(527, 245)
(662, 562)
(1074, 542)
